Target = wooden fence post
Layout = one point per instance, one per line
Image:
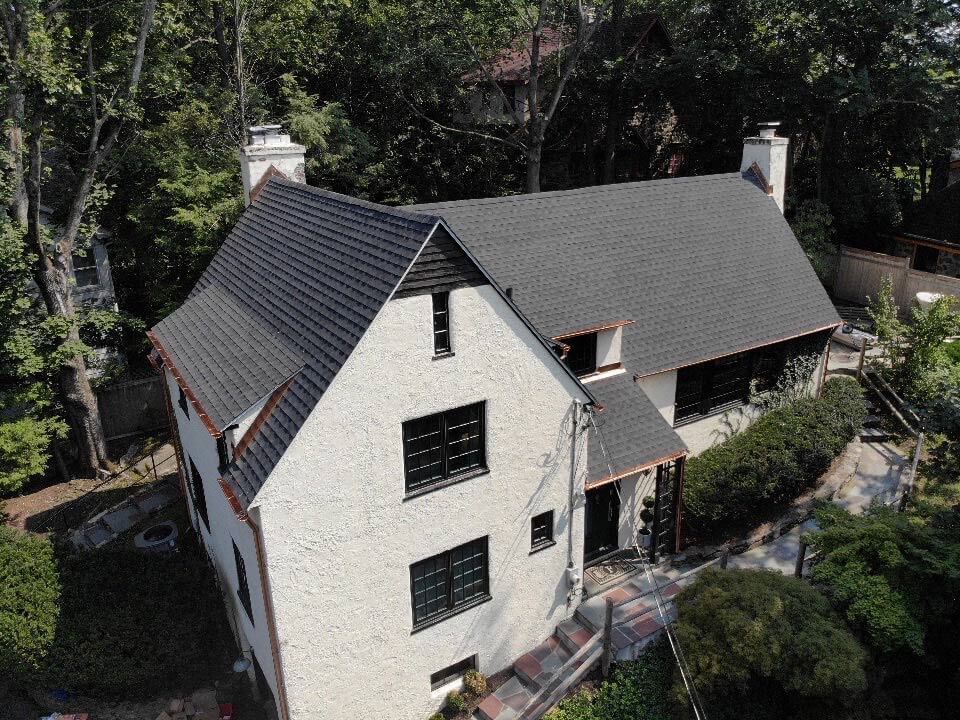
(912, 479)
(607, 640)
(724, 557)
(801, 556)
(863, 353)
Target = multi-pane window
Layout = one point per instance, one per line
(541, 530)
(183, 402)
(581, 358)
(452, 672)
(712, 386)
(441, 323)
(85, 268)
(243, 589)
(199, 499)
(444, 583)
(442, 446)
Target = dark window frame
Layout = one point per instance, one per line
(197, 493)
(86, 269)
(541, 531)
(442, 346)
(581, 356)
(442, 424)
(183, 402)
(712, 387)
(243, 587)
(445, 590)
(453, 672)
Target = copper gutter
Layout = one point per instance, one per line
(178, 376)
(593, 329)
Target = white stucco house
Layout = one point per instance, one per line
(405, 433)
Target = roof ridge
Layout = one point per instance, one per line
(589, 190)
(397, 211)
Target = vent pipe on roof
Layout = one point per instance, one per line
(270, 147)
(769, 153)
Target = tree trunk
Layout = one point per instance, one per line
(823, 158)
(18, 200)
(534, 155)
(51, 275)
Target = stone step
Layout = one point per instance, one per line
(506, 702)
(561, 687)
(592, 615)
(539, 666)
(871, 421)
(573, 634)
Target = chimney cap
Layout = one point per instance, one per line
(768, 129)
(268, 135)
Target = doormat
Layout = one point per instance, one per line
(609, 571)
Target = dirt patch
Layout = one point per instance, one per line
(58, 507)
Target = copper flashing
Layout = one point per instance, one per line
(265, 412)
(271, 172)
(591, 484)
(608, 368)
(232, 498)
(758, 173)
(178, 376)
(593, 329)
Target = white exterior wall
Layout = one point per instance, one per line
(770, 155)
(609, 343)
(340, 537)
(199, 445)
(632, 492)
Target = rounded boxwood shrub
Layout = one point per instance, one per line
(732, 485)
(456, 702)
(475, 682)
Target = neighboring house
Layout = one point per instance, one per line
(925, 257)
(643, 33)
(394, 471)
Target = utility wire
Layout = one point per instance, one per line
(696, 702)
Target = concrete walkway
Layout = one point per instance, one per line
(876, 480)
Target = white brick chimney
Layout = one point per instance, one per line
(270, 147)
(769, 152)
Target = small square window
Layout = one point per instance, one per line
(582, 354)
(85, 268)
(541, 530)
(453, 672)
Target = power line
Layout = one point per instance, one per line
(696, 702)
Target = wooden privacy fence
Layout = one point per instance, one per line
(132, 406)
(860, 272)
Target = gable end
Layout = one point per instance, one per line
(442, 266)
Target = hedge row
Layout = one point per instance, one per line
(734, 484)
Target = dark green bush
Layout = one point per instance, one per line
(107, 623)
(732, 485)
(765, 646)
(29, 603)
(636, 691)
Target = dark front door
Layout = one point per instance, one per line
(602, 522)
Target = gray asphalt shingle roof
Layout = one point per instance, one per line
(632, 432)
(705, 266)
(296, 284)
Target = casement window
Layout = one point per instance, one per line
(243, 589)
(85, 268)
(453, 672)
(581, 358)
(183, 402)
(441, 323)
(199, 499)
(712, 386)
(446, 584)
(444, 447)
(541, 531)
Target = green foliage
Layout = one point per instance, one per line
(475, 682)
(437, 716)
(106, 623)
(737, 482)
(813, 226)
(894, 578)
(638, 690)
(951, 352)
(885, 313)
(24, 452)
(763, 645)
(456, 702)
(29, 603)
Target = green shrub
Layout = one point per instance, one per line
(475, 682)
(762, 645)
(456, 702)
(636, 691)
(29, 603)
(437, 716)
(732, 485)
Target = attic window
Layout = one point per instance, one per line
(85, 268)
(581, 358)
